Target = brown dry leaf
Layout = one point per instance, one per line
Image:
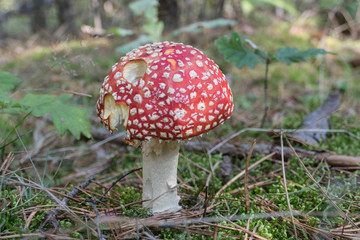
(318, 119)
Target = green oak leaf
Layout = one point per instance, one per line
(234, 51)
(64, 116)
(290, 55)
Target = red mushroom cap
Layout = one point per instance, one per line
(168, 90)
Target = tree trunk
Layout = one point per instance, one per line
(99, 15)
(38, 21)
(64, 14)
(168, 13)
(202, 13)
(63, 11)
(218, 8)
(211, 9)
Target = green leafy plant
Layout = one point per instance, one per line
(249, 6)
(197, 26)
(152, 26)
(65, 116)
(152, 29)
(243, 52)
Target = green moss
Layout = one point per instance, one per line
(10, 216)
(65, 224)
(343, 143)
(293, 120)
(75, 235)
(198, 175)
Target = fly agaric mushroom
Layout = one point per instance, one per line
(163, 93)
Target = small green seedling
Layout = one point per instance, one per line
(243, 52)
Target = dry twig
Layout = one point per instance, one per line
(50, 217)
(320, 188)
(285, 184)
(243, 172)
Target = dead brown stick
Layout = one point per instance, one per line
(252, 186)
(37, 235)
(243, 149)
(341, 160)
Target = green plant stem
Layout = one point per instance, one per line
(3, 143)
(266, 106)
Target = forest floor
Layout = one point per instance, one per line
(285, 189)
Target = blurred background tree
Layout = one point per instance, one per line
(64, 16)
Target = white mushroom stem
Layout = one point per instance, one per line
(160, 160)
